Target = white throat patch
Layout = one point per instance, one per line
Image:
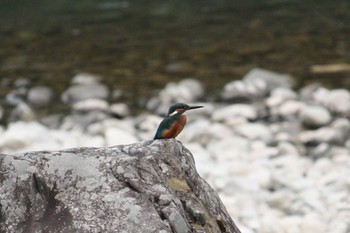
(173, 113)
(176, 112)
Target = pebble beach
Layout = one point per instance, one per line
(279, 157)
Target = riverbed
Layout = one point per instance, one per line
(138, 48)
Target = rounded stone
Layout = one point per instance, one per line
(35, 136)
(119, 109)
(196, 87)
(314, 116)
(91, 105)
(85, 79)
(77, 93)
(287, 148)
(272, 78)
(290, 108)
(338, 101)
(40, 95)
(306, 93)
(229, 149)
(285, 93)
(255, 131)
(186, 91)
(147, 124)
(281, 199)
(116, 136)
(235, 110)
(22, 112)
(22, 82)
(256, 83)
(239, 90)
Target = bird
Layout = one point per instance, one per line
(174, 121)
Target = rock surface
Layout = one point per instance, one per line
(151, 186)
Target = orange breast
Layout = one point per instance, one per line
(176, 128)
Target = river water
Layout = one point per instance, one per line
(139, 46)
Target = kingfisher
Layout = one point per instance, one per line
(174, 121)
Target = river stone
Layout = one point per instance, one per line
(86, 79)
(196, 87)
(220, 131)
(279, 96)
(119, 109)
(342, 126)
(338, 101)
(290, 108)
(255, 131)
(324, 134)
(146, 125)
(229, 149)
(82, 120)
(90, 105)
(202, 158)
(22, 112)
(307, 93)
(259, 150)
(81, 92)
(30, 132)
(282, 199)
(291, 223)
(337, 133)
(320, 95)
(314, 116)
(272, 79)
(225, 114)
(40, 95)
(52, 121)
(196, 131)
(239, 90)
(186, 91)
(312, 223)
(124, 124)
(270, 223)
(285, 93)
(13, 99)
(116, 136)
(35, 136)
(203, 131)
(287, 148)
(21, 82)
(339, 226)
(116, 189)
(257, 83)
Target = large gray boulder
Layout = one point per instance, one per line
(152, 186)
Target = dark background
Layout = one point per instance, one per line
(139, 46)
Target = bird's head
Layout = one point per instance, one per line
(180, 108)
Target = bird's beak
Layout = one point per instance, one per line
(194, 107)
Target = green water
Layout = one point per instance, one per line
(131, 43)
